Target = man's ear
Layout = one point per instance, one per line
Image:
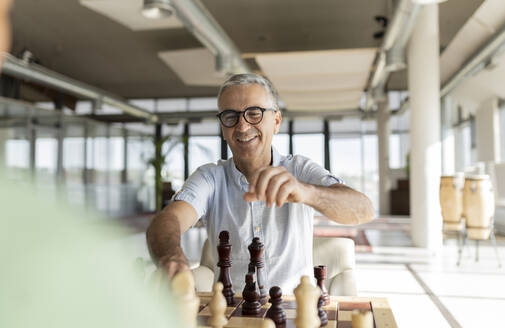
(278, 120)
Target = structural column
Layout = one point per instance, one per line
(383, 132)
(425, 155)
(487, 124)
(4, 136)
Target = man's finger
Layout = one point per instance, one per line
(264, 179)
(250, 197)
(284, 192)
(273, 187)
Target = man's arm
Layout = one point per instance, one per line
(164, 236)
(338, 202)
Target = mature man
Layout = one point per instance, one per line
(239, 194)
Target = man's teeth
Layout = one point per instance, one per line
(246, 139)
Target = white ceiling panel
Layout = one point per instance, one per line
(319, 80)
(193, 66)
(317, 62)
(321, 100)
(128, 13)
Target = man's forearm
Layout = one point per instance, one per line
(340, 203)
(164, 238)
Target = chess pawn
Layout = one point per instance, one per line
(251, 305)
(267, 323)
(320, 275)
(275, 312)
(183, 288)
(224, 250)
(362, 319)
(217, 307)
(307, 297)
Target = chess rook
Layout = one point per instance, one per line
(320, 275)
(256, 253)
(224, 264)
(251, 305)
(275, 312)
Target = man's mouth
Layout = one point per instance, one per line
(246, 140)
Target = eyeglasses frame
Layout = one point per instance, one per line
(243, 115)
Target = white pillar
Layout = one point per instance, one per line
(487, 124)
(425, 156)
(383, 133)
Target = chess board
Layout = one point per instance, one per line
(339, 312)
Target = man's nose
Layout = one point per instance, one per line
(242, 124)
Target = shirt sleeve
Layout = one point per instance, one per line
(310, 172)
(198, 189)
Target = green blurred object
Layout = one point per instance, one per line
(60, 271)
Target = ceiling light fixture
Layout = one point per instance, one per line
(156, 9)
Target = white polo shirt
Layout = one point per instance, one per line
(216, 193)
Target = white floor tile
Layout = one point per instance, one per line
(413, 311)
(476, 313)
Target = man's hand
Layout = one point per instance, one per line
(173, 264)
(275, 184)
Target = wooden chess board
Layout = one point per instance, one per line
(339, 312)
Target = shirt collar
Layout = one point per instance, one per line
(240, 179)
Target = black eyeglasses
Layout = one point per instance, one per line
(252, 115)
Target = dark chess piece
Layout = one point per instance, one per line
(323, 316)
(320, 275)
(256, 252)
(251, 305)
(276, 312)
(224, 250)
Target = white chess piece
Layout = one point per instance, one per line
(268, 323)
(183, 288)
(217, 307)
(307, 296)
(362, 319)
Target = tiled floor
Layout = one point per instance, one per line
(430, 290)
(424, 289)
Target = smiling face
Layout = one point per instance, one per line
(249, 143)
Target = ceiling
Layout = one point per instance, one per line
(81, 43)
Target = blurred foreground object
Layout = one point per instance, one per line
(59, 271)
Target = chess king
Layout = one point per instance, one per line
(256, 193)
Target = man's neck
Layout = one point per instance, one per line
(248, 168)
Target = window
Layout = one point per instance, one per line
(203, 150)
(310, 145)
(280, 142)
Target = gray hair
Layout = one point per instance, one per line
(250, 78)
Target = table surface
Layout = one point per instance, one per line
(339, 311)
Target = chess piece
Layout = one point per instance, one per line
(275, 312)
(256, 252)
(217, 307)
(224, 250)
(307, 297)
(267, 323)
(251, 305)
(183, 288)
(323, 316)
(362, 319)
(320, 275)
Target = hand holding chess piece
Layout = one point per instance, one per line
(307, 297)
(217, 307)
(183, 288)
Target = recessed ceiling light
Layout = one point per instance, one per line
(155, 9)
(427, 2)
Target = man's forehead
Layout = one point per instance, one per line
(245, 95)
